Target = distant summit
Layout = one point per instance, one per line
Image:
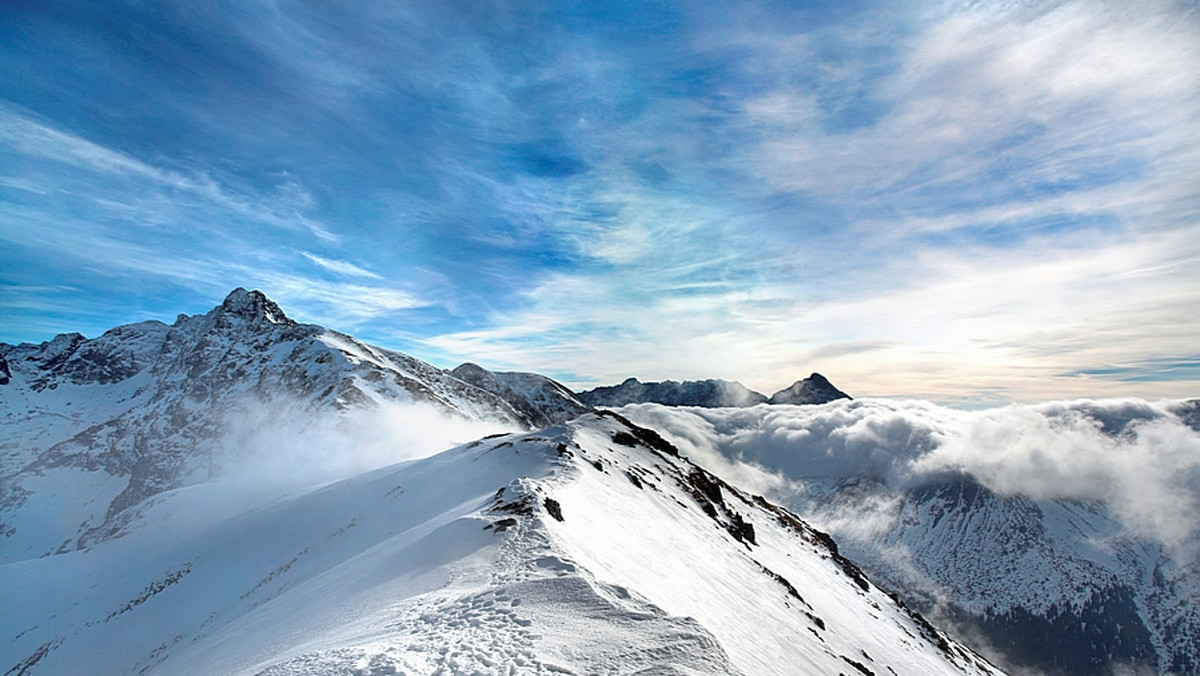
(815, 389)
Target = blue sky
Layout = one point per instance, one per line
(970, 202)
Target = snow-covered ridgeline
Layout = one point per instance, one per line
(585, 548)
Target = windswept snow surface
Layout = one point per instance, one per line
(584, 548)
(1063, 534)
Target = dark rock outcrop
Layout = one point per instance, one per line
(815, 389)
(704, 393)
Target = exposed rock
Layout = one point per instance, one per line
(705, 393)
(815, 389)
(542, 401)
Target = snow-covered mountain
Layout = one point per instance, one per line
(150, 407)
(1059, 538)
(588, 547)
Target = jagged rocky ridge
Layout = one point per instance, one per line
(145, 407)
(815, 389)
(587, 547)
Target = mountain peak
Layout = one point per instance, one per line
(815, 389)
(253, 305)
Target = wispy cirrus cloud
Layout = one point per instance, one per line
(122, 182)
(989, 196)
(340, 267)
(920, 200)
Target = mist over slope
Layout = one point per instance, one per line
(1068, 519)
(150, 407)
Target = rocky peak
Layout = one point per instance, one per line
(815, 389)
(473, 373)
(254, 307)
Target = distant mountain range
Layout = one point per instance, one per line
(815, 389)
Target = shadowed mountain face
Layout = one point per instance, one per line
(1049, 585)
(815, 389)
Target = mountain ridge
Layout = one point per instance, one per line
(815, 389)
(526, 553)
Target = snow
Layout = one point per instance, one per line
(149, 407)
(62, 504)
(454, 564)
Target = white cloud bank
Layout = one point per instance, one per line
(272, 446)
(1141, 459)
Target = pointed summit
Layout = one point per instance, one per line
(252, 306)
(815, 389)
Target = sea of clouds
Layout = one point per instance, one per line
(1141, 459)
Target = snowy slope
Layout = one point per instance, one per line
(1061, 536)
(91, 428)
(584, 548)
